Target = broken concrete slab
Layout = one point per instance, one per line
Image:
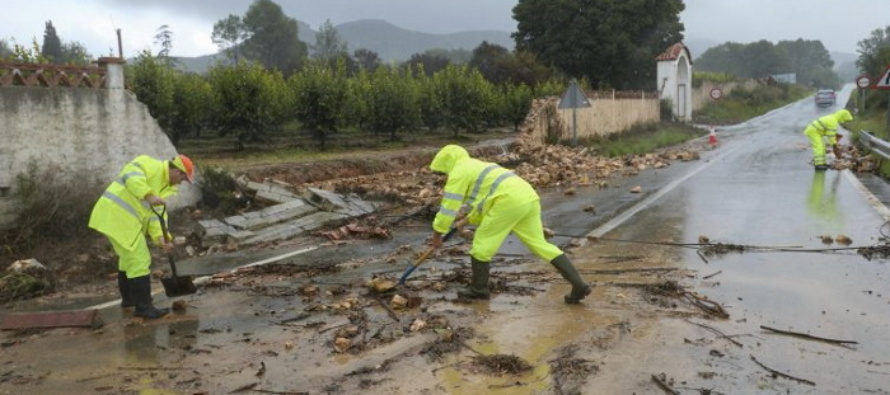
(351, 204)
(295, 228)
(271, 215)
(272, 192)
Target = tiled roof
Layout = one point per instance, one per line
(674, 52)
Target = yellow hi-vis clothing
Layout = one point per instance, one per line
(499, 202)
(122, 214)
(825, 126)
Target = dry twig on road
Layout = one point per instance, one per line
(810, 337)
(780, 374)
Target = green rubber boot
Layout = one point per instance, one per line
(140, 291)
(580, 289)
(478, 288)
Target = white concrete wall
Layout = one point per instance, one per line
(88, 133)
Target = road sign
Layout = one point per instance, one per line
(716, 93)
(863, 81)
(884, 81)
(573, 97)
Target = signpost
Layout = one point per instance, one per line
(573, 98)
(863, 82)
(716, 93)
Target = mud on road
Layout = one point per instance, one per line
(333, 319)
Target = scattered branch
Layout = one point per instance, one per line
(810, 337)
(780, 374)
(660, 381)
(721, 334)
(712, 274)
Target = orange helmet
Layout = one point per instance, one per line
(183, 163)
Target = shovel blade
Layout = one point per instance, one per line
(178, 286)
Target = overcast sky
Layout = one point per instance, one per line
(838, 24)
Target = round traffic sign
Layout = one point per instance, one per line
(863, 81)
(716, 93)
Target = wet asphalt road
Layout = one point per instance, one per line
(756, 189)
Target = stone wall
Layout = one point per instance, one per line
(82, 133)
(605, 116)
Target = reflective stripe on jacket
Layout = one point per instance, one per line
(477, 184)
(121, 213)
(827, 125)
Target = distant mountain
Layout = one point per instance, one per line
(393, 43)
(390, 42)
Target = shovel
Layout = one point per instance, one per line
(175, 285)
(426, 253)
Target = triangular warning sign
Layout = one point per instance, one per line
(573, 97)
(884, 81)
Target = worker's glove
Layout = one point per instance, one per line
(436, 240)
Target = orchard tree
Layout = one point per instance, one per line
(321, 95)
(612, 43)
(249, 101)
(394, 104)
(153, 83)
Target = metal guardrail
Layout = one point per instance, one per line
(875, 144)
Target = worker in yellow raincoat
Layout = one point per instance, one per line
(499, 202)
(826, 127)
(125, 214)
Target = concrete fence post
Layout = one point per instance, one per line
(114, 72)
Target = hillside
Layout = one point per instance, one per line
(391, 42)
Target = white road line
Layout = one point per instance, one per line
(624, 216)
(873, 200)
(204, 279)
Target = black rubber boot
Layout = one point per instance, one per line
(580, 289)
(124, 287)
(478, 288)
(140, 288)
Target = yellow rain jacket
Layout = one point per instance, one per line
(825, 126)
(505, 201)
(121, 214)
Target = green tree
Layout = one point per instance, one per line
(466, 98)
(611, 43)
(367, 59)
(811, 62)
(153, 83)
(329, 46)
(74, 52)
(488, 59)
(249, 101)
(228, 34)
(164, 38)
(517, 103)
(755, 60)
(427, 63)
(52, 44)
(273, 39)
(394, 104)
(193, 96)
(321, 94)
(873, 51)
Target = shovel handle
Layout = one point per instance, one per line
(429, 251)
(166, 236)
